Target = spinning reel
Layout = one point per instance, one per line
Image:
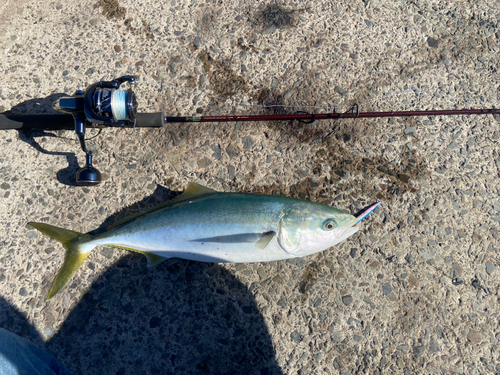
(101, 104)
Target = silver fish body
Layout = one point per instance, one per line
(225, 227)
(209, 226)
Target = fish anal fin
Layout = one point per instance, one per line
(264, 241)
(153, 259)
(193, 190)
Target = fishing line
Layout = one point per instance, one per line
(119, 105)
(409, 92)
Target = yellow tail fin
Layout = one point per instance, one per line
(72, 242)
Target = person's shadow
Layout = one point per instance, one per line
(180, 317)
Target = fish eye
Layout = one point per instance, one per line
(329, 224)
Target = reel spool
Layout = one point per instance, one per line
(118, 106)
(101, 104)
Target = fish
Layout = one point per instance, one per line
(205, 225)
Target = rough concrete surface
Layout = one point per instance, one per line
(415, 292)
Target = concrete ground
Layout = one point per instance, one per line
(415, 292)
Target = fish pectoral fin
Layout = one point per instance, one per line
(264, 241)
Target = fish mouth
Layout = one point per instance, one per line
(367, 211)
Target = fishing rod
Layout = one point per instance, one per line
(106, 104)
(311, 117)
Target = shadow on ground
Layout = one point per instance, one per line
(180, 317)
(38, 115)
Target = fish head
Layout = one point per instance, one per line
(309, 228)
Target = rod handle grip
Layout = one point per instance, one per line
(150, 120)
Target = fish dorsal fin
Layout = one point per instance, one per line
(193, 190)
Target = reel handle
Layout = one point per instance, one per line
(88, 175)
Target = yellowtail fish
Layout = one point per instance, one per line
(209, 226)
